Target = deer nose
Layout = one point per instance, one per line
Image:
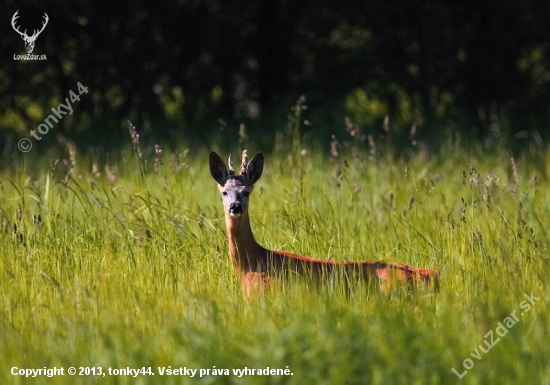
(235, 209)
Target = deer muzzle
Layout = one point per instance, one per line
(235, 209)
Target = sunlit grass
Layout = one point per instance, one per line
(135, 272)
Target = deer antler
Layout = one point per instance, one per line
(244, 162)
(230, 164)
(44, 23)
(13, 19)
(24, 34)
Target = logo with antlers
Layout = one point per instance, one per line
(29, 40)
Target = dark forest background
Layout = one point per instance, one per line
(181, 70)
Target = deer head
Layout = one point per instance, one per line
(236, 189)
(29, 40)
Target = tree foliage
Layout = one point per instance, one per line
(176, 64)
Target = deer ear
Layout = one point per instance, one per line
(218, 169)
(255, 167)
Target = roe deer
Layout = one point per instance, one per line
(258, 266)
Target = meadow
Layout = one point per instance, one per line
(124, 264)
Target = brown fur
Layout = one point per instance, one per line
(258, 267)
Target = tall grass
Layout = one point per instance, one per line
(128, 266)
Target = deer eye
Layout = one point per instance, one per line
(224, 193)
(246, 193)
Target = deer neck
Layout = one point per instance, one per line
(245, 251)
